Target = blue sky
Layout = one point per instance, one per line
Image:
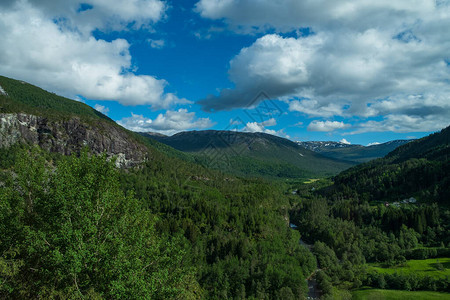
(306, 70)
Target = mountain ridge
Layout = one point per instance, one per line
(417, 169)
(252, 154)
(352, 152)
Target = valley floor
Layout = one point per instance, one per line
(377, 294)
(424, 267)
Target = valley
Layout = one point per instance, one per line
(89, 209)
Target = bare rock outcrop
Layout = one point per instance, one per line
(67, 136)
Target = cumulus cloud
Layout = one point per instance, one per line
(316, 109)
(404, 123)
(286, 15)
(50, 44)
(344, 141)
(101, 108)
(368, 59)
(117, 15)
(261, 127)
(168, 123)
(157, 44)
(326, 126)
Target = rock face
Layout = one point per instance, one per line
(71, 135)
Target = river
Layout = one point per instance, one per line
(313, 291)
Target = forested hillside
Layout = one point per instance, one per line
(253, 154)
(76, 226)
(418, 169)
(80, 225)
(381, 219)
(26, 98)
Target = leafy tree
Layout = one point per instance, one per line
(75, 233)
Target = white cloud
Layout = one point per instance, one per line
(103, 109)
(366, 59)
(235, 121)
(270, 122)
(316, 109)
(50, 44)
(344, 141)
(327, 126)
(168, 123)
(287, 15)
(254, 127)
(157, 44)
(261, 127)
(104, 15)
(404, 123)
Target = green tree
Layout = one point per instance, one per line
(77, 234)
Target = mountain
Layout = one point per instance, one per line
(167, 228)
(417, 169)
(161, 228)
(350, 152)
(31, 115)
(252, 154)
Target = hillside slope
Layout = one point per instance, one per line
(252, 154)
(420, 168)
(206, 234)
(34, 116)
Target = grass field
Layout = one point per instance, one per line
(420, 267)
(311, 181)
(376, 294)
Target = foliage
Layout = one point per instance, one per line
(419, 168)
(77, 227)
(69, 230)
(24, 97)
(435, 267)
(252, 154)
(369, 294)
(240, 241)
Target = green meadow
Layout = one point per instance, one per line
(434, 267)
(311, 181)
(377, 294)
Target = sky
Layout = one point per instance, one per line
(342, 70)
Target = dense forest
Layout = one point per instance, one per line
(144, 233)
(387, 212)
(81, 226)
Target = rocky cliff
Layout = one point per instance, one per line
(69, 135)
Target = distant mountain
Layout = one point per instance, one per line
(420, 169)
(318, 146)
(252, 154)
(349, 152)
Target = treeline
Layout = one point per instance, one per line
(407, 282)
